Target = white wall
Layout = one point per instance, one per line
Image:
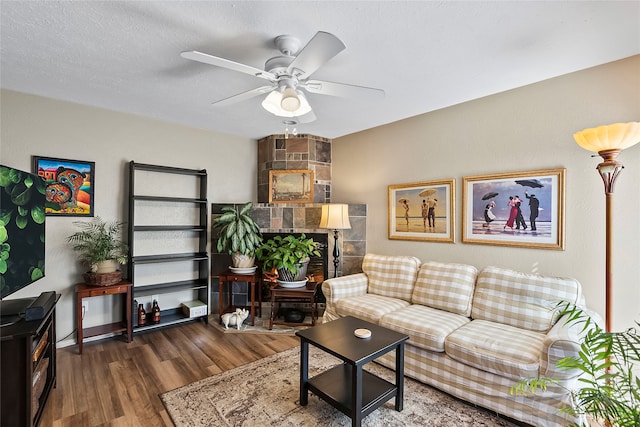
(528, 128)
(34, 125)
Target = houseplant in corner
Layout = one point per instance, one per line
(99, 246)
(238, 234)
(610, 386)
(289, 256)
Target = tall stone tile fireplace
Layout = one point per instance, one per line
(302, 152)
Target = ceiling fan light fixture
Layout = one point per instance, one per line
(272, 103)
(290, 101)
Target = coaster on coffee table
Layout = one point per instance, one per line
(362, 333)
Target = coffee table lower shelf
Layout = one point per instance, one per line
(335, 387)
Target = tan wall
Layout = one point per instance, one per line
(528, 128)
(33, 125)
(524, 129)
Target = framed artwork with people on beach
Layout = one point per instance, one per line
(422, 211)
(522, 209)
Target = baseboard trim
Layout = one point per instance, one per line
(72, 341)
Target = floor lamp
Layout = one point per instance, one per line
(608, 142)
(335, 217)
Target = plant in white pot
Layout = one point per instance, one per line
(99, 246)
(288, 255)
(238, 234)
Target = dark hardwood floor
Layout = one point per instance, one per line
(114, 383)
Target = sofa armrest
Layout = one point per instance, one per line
(563, 340)
(342, 287)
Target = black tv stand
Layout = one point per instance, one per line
(28, 368)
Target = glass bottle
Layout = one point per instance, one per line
(155, 312)
(142, 315)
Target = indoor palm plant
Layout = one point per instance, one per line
(98, 244)
(238, 234)
(288, 255)
(610, 389)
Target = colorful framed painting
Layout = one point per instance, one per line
(69, 185)
(291, 186)
(422, 211)
(524, 209)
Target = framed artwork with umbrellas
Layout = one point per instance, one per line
(521, 209)
(422, 211)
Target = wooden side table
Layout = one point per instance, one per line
(303, 294)
(253, 279)
(87, 291)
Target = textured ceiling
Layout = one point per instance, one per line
(125, 56)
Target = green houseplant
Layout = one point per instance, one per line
(238, 234)
(610, 389)
(289, 255)
(98, 244)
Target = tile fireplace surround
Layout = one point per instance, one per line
(306, 152)
(299, 218)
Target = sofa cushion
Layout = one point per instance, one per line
(391, 276)
(447, 286)
(369, 307)
(427, 327)
(494, 347)
(522, 300)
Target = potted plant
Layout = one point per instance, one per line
(610, 386)
(98, 245)
(288, 255)
(238, 234)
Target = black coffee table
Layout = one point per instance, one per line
(347, 387)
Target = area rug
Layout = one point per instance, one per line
(266, 393)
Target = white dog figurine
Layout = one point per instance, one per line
(235, 319)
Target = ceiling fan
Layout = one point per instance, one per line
(288, 73)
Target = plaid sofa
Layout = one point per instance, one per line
(472, 334)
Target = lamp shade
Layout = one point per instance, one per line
(617, 136)
(335, 216)
(273, 104)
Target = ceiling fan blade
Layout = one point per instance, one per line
(342, 90)
(243, 96)
(205, 58)
(320, 49)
